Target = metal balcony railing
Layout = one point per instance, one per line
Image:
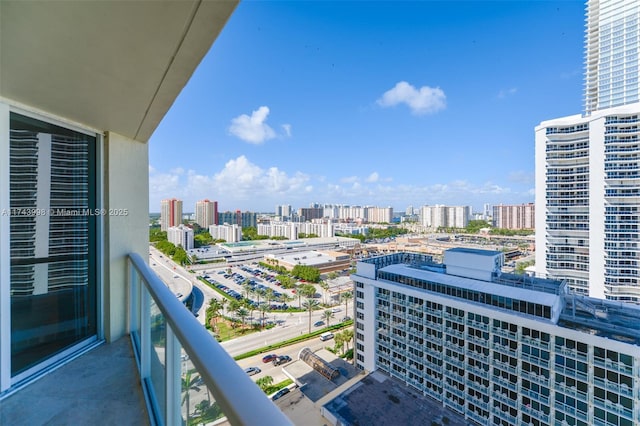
(187, 377)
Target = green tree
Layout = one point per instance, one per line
(264, 382)
(242, 313)
(345, 297)
(347, 336)
(338, 342)
(156, 235)
(325, 288)
(263, 308)
(310, 305)
(327, 315)
(189, 383)
(202, 239)
(180, 256)
(286, 281)
(307, 290)
(212, 313)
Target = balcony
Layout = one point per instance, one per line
(170, 372)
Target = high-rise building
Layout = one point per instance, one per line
(588, 167)
(519, 216)
(170, 213)
(283, 211)
(206, 213)
(500, 349)
(445, 216)
(611, 54)
(242, 219)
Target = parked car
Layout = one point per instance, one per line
(252, 370)
(269, 358)
(282, 359)
(282, 392)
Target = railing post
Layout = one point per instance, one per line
(173, 379)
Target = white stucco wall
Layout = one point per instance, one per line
(126, 186)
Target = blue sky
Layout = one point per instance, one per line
(370, 103)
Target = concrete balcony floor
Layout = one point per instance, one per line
(101, 387)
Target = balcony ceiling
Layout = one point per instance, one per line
(110, 65)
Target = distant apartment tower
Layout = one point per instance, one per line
(445, 216)
(181, 235)
(284, 211)
(309, 213)
(588, 167)
(170, 213)
(229, 233)
(519, 216)
(242, 219)
(378, 214)
(499, 349)
(288, 230)
(486, 211)
(206, 213)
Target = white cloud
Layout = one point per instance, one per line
(287, 130)
(241, 178)
(253, 129)
(503, 93)
(349, 179)
(241, 184)
(426, 100)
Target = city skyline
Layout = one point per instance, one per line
(301, 102)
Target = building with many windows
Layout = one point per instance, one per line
(170, 213)
(500, 349)
(206, 213)
(611, 54)
(242, 219)
(229, 233)
(588, 167)
(181, 235)
(520, 216)
(440, 216)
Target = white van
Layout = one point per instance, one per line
(326, 336)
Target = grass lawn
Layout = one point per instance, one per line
(226, 332)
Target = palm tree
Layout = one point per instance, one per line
(264, 382)
(310, 305)
(338, 342)
(248, 304)
(346, 296)
(259, 293)
(243, 314)
(347, 335)
(189, 383)
(325, 287)
(268, 295)
(263, 308)
(213, 312)
(327, 315)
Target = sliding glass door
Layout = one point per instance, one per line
(53, 216)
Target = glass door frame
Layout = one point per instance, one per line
(8, 384)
